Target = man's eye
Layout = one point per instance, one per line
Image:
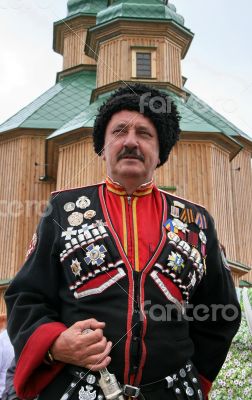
(119, 131)
(145, 133)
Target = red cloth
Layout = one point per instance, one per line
(136, 220)
(32, 374)
(206, 385)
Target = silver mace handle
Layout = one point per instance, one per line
(108, 382)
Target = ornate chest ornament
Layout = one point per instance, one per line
(83, 202)
(76, 267)
(95, 254)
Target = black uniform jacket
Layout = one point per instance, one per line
(182, 305)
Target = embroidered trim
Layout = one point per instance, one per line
(103, 287)
(94, 273)
(165, 290)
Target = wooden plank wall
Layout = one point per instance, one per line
(200, 172)
(74, 42)
(241, 177)
(114, 61)
(23, 199)
(187, 169)
(79, 165)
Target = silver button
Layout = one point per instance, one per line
(189, 391)
(169, 381)
(90, 379)
(182, 373)
(177, 390)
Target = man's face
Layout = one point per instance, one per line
(131, 147)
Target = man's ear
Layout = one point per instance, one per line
(103, 155)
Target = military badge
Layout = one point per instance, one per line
(76, 267)
(68, 233)
(177, 203)
(89, 214)
(95, 254)
(169, 225)
(195, 256)
(83, 202)
(75, 219)
(187, 215)
(69, 207)
(201, 221)
(174, 238)
(193, 238)
(176, 262)
(175, 211)
(184, 248)
(181, 226)
(203, 240)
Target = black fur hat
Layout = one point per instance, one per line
(149, 101)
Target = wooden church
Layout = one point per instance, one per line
(48, 144)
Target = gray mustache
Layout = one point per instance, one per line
(132, 153)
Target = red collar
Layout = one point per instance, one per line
(118, 189)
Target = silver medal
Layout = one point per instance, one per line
(75, 219)
(69, 207)
(89, 214)
(83, 202)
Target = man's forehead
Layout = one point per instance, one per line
(130, 118)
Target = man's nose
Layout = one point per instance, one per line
(131, 139)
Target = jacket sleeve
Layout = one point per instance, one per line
(33, 309)
(216, 312)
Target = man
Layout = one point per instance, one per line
(114, 275)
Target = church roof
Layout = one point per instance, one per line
(141, 9)
(75, 7)
(66, 107)
(57, 105)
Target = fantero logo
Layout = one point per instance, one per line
(156, 104)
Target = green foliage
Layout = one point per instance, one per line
(234, 381)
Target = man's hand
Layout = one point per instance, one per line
(89, 350)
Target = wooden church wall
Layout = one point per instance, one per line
(74, 41)
(23, 199)
(241, 176)
(115, 62)
(79, 165)
(200, 172)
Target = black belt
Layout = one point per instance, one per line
(184, 383)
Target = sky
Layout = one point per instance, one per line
(218, 65)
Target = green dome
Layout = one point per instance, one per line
(140, 9)
(85, 6)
